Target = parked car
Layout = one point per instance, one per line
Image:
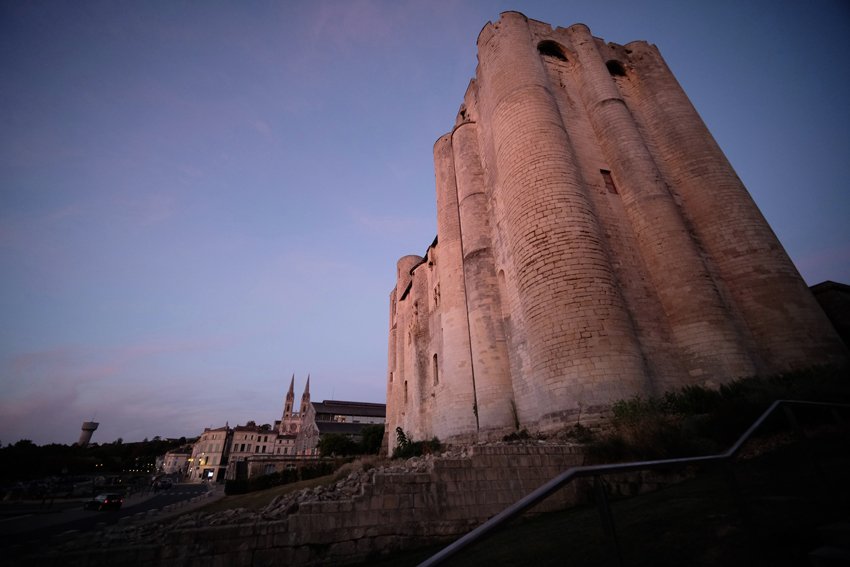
(105, 501)
(162, 483)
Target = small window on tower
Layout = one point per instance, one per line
(616, 68)
(551, 49)
(609, 182)
(436, 371)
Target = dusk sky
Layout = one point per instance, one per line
(200, 199)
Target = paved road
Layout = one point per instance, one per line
(33, 523)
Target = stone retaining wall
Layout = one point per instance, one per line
(425, 501)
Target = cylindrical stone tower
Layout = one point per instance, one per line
(581, 343)
(455, 392)
(593, 244)
(788, 327)
(391, 418)
(700, 322)
(398, 388)
(490, 365)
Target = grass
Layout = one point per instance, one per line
(697, 420)
(696, 523)
(261, 498)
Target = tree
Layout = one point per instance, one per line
(337, 444)
(371, 438)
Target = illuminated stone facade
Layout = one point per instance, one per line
(593, 243)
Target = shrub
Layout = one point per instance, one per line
(337, 444)
(697, 420)
(372, 436)
(581, 433)
(405, 448)
(316, 470)
(520, 435)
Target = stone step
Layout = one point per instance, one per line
(835, 546)
(828, 556)
(835, 535)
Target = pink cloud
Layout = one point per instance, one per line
(69, 211)
(262, 127)
(351, 23)
(371, 22)
(388, 224)
(22, 231)
(47, 394)
(150, 208)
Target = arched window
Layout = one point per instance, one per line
(436, 371)
(616, 68)
(551, 49)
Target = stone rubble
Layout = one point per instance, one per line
(347, 488)
(278, 509)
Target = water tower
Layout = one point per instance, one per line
(85, 435)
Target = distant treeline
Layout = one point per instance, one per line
(316, 470)
(25, 461)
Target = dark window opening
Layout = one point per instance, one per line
(609, 181)
(551, 49)
(436, 372)
(616, 68)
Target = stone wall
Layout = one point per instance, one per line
(385, 509)
(593, 244)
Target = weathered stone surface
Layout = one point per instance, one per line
(369, 512)
(593, 243)
(581, 259)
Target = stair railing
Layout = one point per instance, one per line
(599, 471)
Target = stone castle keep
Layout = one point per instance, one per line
(593, 243)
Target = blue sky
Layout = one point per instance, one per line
(200, 199)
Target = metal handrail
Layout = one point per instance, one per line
(546, 490)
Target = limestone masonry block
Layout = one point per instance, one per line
(593, 244)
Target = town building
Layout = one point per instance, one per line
(593, 244)
(338, 418)
(249, 450)
(176, 461)
(208, 461)
(247, 441)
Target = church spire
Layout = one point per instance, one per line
(290, 400)
(305, 397)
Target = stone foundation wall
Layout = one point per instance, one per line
(425, 501)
